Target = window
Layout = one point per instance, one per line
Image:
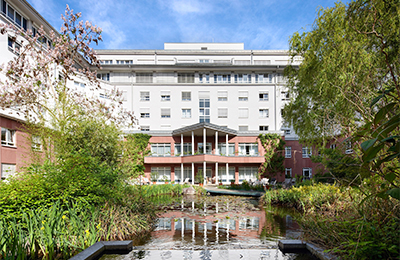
(163, 173)
(263, 128)
(13, 15)
(242, 78)
(185, 77)
(264, 113)
(78, 84)
(307, 173)
(145, 115)
(7, 170)
(349, 148)
(165, 113)
(306, 152)
(222, 113)
(165, 96)
(186, 113)
(288, 172)
(165, 77)
(243, 128)
(222, 78)
(145, 128)
(144, 77)
(104, 94)
(104, 76)
(107, 62)
(250, 149)
(204, 78)
(285, 96)
(124, 62)
(187, 149)
(288, 152)
(223, 176)
(36, 143)
(204, 61)
(287, 131)
(243, 113)
(186, 96)
(332, 146)
(144, 96)
(247, 173)
(200, 148)
(161, 150)
(204, 107)
(243, 95)
(222, 149)
(13, 46)
(263, 96)
(263, 78)
(222, 95)
(7, 137)
(187, 174)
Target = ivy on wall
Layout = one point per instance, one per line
(273, 145)
(135, 148)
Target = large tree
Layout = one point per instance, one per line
(350, 53)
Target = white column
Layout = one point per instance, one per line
(183, 227)
(192, 173)
(216, 232)
(227, 147)
(181, 144)
(227, 172)
(182, 180)
(204, 170)
(192, 143)
(216, 143)
(204, 141)
(216, 173)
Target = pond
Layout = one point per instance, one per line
(217, 227)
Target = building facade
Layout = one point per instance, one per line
(204, 104)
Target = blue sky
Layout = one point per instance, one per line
(147, 24)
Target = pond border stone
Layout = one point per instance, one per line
(96, 250)
(296, 246)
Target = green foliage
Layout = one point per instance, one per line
(199, 178)
(135, 148)
(273, 146)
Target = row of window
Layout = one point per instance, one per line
(146, 128)
(222, 95)
(13, 15)
(307, 173)
(305, 151)
(244, 149)
(204, 78)
(205, 113)
(8, 139)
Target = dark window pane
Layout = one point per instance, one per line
(10, 13)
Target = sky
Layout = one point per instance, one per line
(148, 24)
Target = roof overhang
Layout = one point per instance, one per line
(198, 129)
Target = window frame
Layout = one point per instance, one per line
(164, 114)
(306, 152)
(10, 137)
(188, 95)
(185, 114)
(288, 152)
(144, 97)
(262, 114)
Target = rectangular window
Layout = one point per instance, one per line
(144, 96)
(3, 6)
(242, 78)
(285, 96)
(204, 61)
(7, 170)
(248, 149)
(187, 174)
(223, 176)
(106, 62)
(10, 12)
(349, 148)
(222, 95)
(288, 152)
(332, 146)
(36, 143)
(144, 77)
(264, 113)
(165, 77)
(145, 115)
(263, 96)
(263, 128)
(243, 95)
(186, 113)
(165, 113)
(121, 62)
(161, 150)
(243, 128)
(222, 149)
(264, 78)
(288, 172)
(165, 96)
(243, 113)
(306, 152)
(186, 96)
(185, 77)
(200, 148)
(79, 84)
(164, 173)
(204, 78)
(287, 131)
(103, 76)
(222, 78)
(307, 173)
(204, 107)
(7, 137)
(247, 173)
(222, 113)
(145, 128)
(13, 46)
(187, 149)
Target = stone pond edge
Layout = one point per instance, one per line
(294, 245)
